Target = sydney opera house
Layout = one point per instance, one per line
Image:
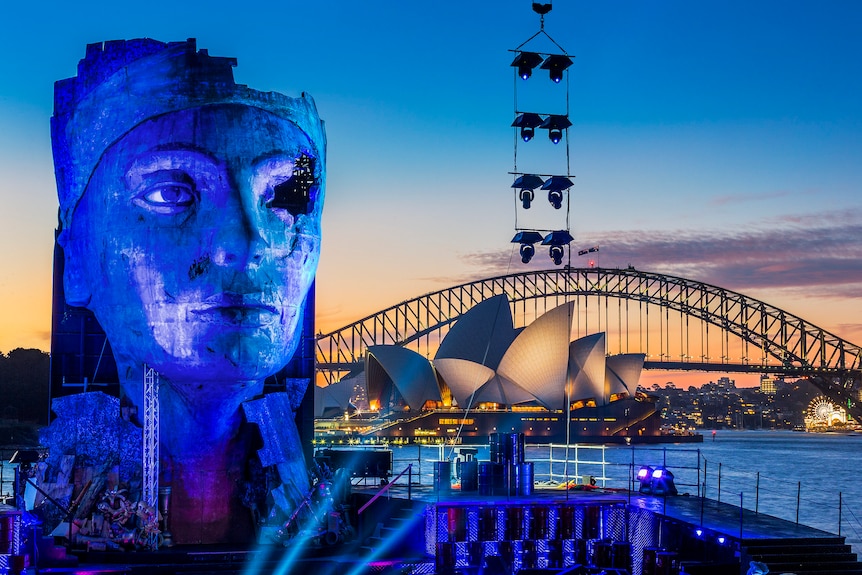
(488, 376)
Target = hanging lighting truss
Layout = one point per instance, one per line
(557, 234)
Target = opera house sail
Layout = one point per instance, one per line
(488, 376)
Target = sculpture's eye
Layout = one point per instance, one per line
(298, 193)
(167, 192)
(170, 194)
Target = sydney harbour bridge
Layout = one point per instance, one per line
(678, 323)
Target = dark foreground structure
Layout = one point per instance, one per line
(428, 530)
(476, 517)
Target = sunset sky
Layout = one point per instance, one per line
(719, 141)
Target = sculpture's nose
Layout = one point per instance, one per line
(239, 236)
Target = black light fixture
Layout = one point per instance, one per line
(555, 186)
(527, 183)
(557, 240)
(525, 62)
(662, 482)
(644, 476)
(555, 124)
(528, 122)
(527, 239)
(555, 64)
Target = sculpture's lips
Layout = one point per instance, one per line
(237, 309)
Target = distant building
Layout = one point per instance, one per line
(726, 384)
(767, 385)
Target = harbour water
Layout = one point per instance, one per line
(812, 478)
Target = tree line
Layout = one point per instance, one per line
(25, 376)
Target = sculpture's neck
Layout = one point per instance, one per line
(195, 416)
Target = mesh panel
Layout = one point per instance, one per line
(614, 523)
(472, 524)
(534, 535)
(643, 533)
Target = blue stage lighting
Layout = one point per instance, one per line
(527, 183)
(557, 253)
(555, 64)
(527, 239)
(644, 476)
(662, 482)
(525, 62)
(555, 186)
(557, 239)
(555, 124)
(528, 122)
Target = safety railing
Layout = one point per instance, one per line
(803, 502)
(385, 489)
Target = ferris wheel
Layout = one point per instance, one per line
(822, 411)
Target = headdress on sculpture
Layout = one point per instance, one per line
(121, 83)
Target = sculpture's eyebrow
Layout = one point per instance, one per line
(180, 147)
(277, 155)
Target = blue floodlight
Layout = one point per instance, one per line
(528, 122)
(527, 239)
(644, 476)
(525, 62)
(557, 239)
(555, 124)
(662, 482)
(555, 64)
(527, 183)
(555, 186)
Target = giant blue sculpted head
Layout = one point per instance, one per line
(190, 210)
(190, 214)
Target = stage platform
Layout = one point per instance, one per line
(708, 530)
(719, 517)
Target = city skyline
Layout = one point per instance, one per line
(718, 141)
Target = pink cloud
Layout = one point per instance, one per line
(820, 250)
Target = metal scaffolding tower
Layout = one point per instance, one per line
(150, 450)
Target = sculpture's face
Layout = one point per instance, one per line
(189, 265)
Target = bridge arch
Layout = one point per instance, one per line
(680, 324)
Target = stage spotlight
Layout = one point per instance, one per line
(527, 239)
(528, 122)
(698, 532)
(555, 186)
(557, 253)
(527, 183)
(555, 124)
(662, 482)
(557, 240)
(721, 540)
(555, 64)
(525, 62)
(644, 476)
